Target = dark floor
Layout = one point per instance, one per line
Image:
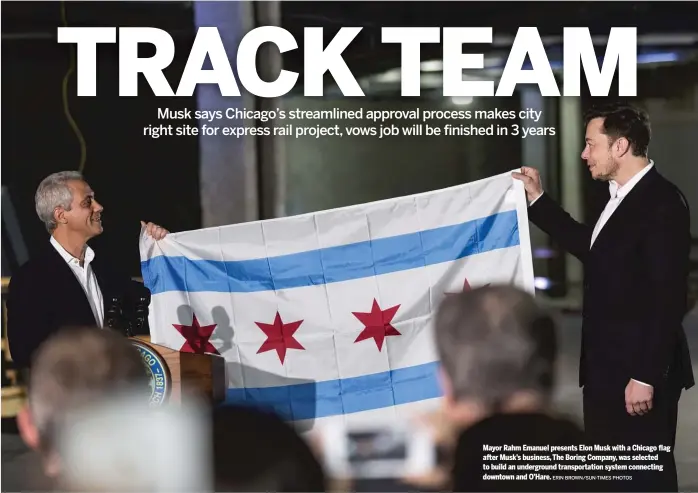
(569, 399)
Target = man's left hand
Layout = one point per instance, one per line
(638, 398)
(157, 232)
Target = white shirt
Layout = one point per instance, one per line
(617, 195)
(86, 276)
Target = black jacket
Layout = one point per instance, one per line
(635, 285)
(480, 454)
(44, 296)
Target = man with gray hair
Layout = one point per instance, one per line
(67, 284)
(498, 349)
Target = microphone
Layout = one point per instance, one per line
(115, 319)
(139, 324)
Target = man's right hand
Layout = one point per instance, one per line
(531, 180)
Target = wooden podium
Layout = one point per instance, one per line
(175, 376)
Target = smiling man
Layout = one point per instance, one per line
(635, 359)
(68, 284)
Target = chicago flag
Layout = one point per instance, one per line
(328, 315)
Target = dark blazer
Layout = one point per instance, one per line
(44, 296)
(532, 429)
(635, 285)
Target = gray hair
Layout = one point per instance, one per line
(495, 341)
(54, 192)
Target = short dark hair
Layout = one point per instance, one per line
(624, 120)
(495, 341)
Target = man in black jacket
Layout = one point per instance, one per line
(67, 285)
(635, 359)
(498, 352)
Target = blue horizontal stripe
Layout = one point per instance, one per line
(345, 395)
(334, 264)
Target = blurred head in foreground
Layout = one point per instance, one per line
(74, 368)
(497, 348)
(125, 445)
(257, 451)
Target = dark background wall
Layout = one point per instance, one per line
(332, 172)
(137, 177)
(134, 177)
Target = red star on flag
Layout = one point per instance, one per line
(280, 336)
(197, 337)
(377, 324)
(466, 287)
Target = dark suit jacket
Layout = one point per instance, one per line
(536, 429)
(635, 285)
(44, 296)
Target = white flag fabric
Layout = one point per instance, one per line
(328, 315)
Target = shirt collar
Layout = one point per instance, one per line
(69, 259)
(620, 192)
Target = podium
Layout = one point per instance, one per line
(176, 376)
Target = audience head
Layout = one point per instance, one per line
(66, 204)
(497, 348)
(76, 367)
(257, 451)
(123, 444)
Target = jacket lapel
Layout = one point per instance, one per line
(103, 280)
(72, 289)
(629, 213)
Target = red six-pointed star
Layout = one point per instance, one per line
(377, 324)
(197, 337)
(466, 287)
(280, 336)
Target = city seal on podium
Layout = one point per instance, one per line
(156, 367)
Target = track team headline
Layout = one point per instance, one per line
(578, 53)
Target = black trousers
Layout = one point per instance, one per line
(606, 422)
